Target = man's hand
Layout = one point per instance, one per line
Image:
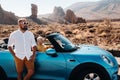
(11, 51)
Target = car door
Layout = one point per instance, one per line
(7, 64)
(49, 67)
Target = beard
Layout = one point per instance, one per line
(25, 28)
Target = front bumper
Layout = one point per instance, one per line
(113, 72)
(115, 76)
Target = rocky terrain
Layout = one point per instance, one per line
(104, 34)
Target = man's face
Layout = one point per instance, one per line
(23, 25)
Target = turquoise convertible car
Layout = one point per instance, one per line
(65, 61)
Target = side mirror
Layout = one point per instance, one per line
(51, 52)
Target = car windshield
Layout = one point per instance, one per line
(65, 43)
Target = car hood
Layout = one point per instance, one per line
(86, 53)
(91, 50)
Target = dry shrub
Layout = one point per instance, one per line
(107, 22)
(107, 37)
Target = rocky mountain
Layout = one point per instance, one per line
(10, 18)
(97, 10)
(7, 17)
(60, 16)
(56, 16)
(58, 12)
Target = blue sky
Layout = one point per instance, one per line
(23, 7)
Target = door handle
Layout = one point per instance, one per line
(71, 60)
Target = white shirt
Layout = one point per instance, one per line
(23, 43)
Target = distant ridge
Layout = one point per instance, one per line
(97, 10)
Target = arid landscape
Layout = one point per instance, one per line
(96, 24)
(103, 34)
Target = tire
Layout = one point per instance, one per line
(2, 75)
(92, 74)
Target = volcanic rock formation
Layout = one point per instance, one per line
(72, 18)
(34, 10)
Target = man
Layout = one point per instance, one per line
(24, 45)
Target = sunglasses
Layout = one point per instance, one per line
(24, 22)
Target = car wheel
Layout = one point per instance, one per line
(2, 75)
(92, 75)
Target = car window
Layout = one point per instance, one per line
(64, 42)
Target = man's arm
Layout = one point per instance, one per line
(11, 43)
(11, 50)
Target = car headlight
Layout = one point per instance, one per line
(107, 60)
